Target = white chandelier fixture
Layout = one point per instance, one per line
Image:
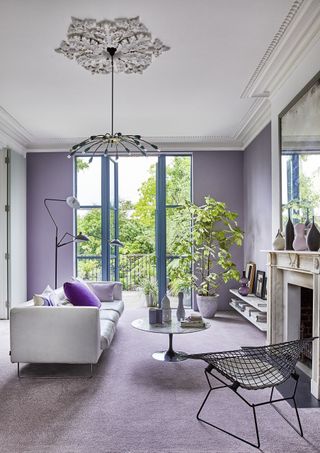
(122, 45)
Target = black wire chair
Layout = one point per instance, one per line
(255, 368)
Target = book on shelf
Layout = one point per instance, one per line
(261, 318)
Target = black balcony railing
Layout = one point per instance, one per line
(133, 268)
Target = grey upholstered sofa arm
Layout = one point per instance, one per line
(117, 291)
(55, 334)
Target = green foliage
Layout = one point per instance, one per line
(90, 225)
(82, 164)
(137, 221)
(149, 287)
(214, 232)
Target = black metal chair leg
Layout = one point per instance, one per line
(298, 417)
(257, 445)
(203, 403)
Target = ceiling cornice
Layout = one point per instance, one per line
(297, 34)
(12, 133)
(174, 143)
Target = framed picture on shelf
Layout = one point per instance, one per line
(250, 274)
(261, 284)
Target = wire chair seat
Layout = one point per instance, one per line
(256, 367)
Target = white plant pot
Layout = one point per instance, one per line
(149, 300)
(208, 305)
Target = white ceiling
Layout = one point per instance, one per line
(193, 90)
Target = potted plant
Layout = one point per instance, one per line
(150, 289)
(205, 261)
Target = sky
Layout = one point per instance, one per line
(132, 172)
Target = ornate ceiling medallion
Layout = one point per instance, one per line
(122, 45)
(88, 42)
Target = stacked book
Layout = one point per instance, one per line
(194, 320)
(262, 317)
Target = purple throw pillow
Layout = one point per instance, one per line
(80, 295)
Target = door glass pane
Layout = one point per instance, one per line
(178, 179)
(89, 223)
(178, 224)
(89, 269)
(112, 181)
(89, 181)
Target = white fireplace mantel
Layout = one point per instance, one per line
(287, 270)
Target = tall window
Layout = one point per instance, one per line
(89, 218)
(135, 200)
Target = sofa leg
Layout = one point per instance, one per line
(89, 376)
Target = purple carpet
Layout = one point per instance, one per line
(136, 404)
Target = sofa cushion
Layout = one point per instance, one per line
(116, 305)
(108, 329)
(45, 299)
(103, 290)
(112, 315)
(80, 295)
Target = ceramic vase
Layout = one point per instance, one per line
(181, 313)
(289, 233)
(313, 238)
(166, 309)
(244, 289)
(208, 305)
(279, 242)
(299, 242)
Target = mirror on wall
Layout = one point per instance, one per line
(300, 156)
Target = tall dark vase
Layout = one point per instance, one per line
(289, 233)
(313, 238)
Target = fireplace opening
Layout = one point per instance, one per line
(306, 324)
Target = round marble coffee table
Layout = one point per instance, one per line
(172, 328)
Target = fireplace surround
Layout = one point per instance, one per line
(288, 272)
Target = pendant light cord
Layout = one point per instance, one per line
(112, 88)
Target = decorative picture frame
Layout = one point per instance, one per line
(250, 275)
(261, 284)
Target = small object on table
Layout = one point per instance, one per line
(166, 309)
(153, 316)
(159, 315)
(244, 289)
(193, 320)
(181, 313)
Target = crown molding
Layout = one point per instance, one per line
(297, 33)
(256, 119)
(12, 133)
(173, 143)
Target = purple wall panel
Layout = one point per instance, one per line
(257, 198)
(220, 174)
(49, 175)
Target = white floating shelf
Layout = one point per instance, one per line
(254, 301)
(260, 325)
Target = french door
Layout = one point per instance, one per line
(97, 188)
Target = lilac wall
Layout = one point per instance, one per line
(257, 198)
(220, 174)
(49, 175)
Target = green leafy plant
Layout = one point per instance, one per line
(207, 250)
(149, 287)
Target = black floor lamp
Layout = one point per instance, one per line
(73, 203)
